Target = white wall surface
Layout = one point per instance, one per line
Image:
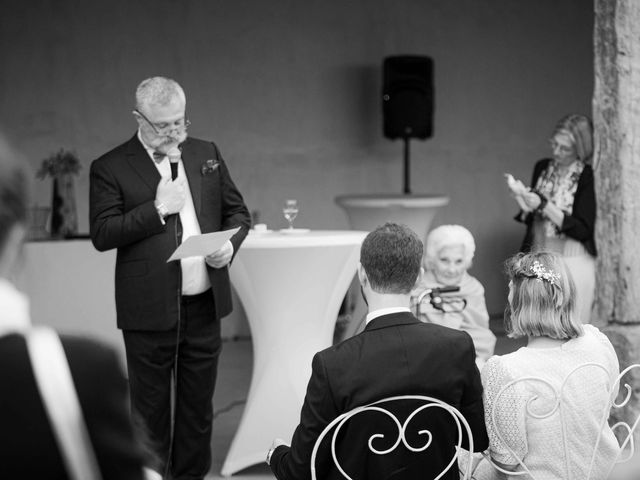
(290, 91)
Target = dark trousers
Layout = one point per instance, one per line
(193, 348)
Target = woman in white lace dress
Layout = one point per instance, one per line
(552, 368)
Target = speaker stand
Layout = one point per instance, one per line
(407, 166)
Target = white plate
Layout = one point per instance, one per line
(259, 232)
(294, 231)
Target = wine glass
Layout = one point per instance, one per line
(290, 211)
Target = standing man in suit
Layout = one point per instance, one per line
(147, 196)
(396, 354)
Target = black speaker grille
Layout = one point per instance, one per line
(407, 97)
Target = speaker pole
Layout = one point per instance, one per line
(407, 168)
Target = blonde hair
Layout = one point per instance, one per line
(448, 236)
(542, 297)
(580, 129)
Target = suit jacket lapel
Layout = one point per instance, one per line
(194, 176)
(139, 160)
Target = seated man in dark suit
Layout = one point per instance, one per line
(396, 354)
(27, 442)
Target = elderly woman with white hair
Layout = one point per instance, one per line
(449, 254)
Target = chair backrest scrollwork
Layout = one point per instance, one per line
(557, 404)
(333, 429)
(627, 430)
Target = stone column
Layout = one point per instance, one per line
(616, 112)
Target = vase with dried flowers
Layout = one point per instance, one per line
(62, 166)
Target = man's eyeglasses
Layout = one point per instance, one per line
(165, 128)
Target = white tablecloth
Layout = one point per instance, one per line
(70, 287)
(366, 212)
(291, 287)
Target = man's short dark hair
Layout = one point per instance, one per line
(391, 255)
(13, 191)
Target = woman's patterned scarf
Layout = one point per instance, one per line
(559, 189)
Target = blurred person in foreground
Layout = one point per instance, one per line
(396, 354)
(559, 209)
(147, 196)
(27, 441)
(556, 359)
(448, 257)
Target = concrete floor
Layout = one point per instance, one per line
(231, 392)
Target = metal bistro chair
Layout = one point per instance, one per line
(424, 436)
(623, 430)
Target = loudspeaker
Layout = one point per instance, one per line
(407, 96)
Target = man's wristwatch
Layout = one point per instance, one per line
(162, 210)
(269, 453)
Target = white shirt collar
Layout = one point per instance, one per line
(385, 311)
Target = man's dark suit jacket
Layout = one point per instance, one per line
(29, 449)
(396, 354)
(123, 216)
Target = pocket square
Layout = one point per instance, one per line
(209, 166)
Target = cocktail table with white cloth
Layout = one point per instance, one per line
(291, 285)
(366, 212)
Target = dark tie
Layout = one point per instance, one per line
(159, 157)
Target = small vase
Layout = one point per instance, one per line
(64, 217)
(39, 223)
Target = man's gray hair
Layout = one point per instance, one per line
(158, 91)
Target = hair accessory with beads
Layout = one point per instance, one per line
(542, 273)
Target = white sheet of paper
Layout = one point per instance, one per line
(202, 245)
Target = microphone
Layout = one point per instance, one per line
(174, 157)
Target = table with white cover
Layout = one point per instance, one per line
(366, 212)
(70, 288)
(291, 286)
